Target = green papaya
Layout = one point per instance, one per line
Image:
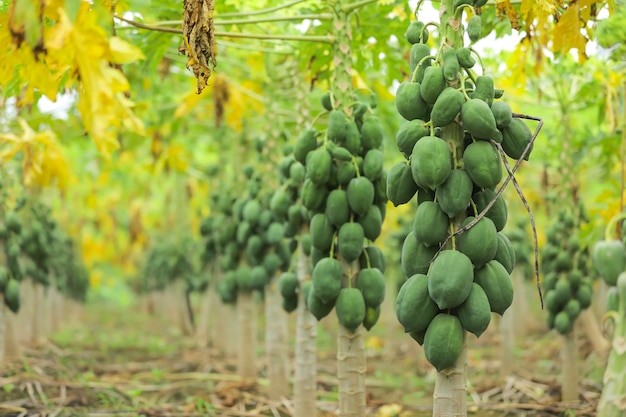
(450, 279)
(318, 166)
(409, 133)
(372, 257)
(371, 317)
(288, 284)
(416, 33)
(353, 138)
(562, 323)
(474, 28)
(12, 295)
(371, 132)
(480, 242)
(515, 138)
(475, 312)
(316, 307)
(431, 161)
(326, 277)
(443, 341)
(373, 164)
(478, 119)
(432, 85)
(414, 307)
(430, 224)
(484, 89)
(372, 223)
(496, 282)
(400, 184)
(451, 66)
(447, 107)
(418, 52)
(371, 283)
(502, 114)
(455, 194)
(306, 142)
(350, 241)
(336, 129)
(465, 58)
(609, 260)
(497, 213)
(482, 163)
(313, 195)
(409, 102)
(360, 194)
(505, 254)
(350, 308)
(337, 207)
(415, 257)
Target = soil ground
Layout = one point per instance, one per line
(125, 362)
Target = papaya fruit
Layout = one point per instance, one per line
(227, 288)
(418, 52)
(416, 33)
(4, 278)
(430, 224)
(371, 283)
(450, 279)
(409, 102)
(465, 58)
(609, 260)
(244, 231)
(336, 129)
(338, 152)
(563, 292)
(431, 161)
(455, 194)
(612, 299)
(572, 308)
(252, 212)
(322, 232)
(584, 295)
(258, 278)
(350, 308)
(409, 133)
(474, 28)
(447, 107)
(290, 304)
(360, 194)
(414, 307)
(326, 277)
(498, 212)
(353, 138)
(326, 101)
(451, 64)
(475, 312)
(280, 202)
(318, 166)
(415, 257)
(478, 119)
(400, 184)
(432, 85)
(380, 192)
(443, 341)
(502, 114)
(12, 295)
(372, 223)
(275, 233)
(505, 254)
(480, 242)
(345, 172)
(371, 317)
(313, 195)
(297, 173)
(373, 164)
(254, 246)
(371, 132)
(562, 323)
(316, 307)
(337, 207)
(496, 282)
(484, 89)
(350, 241)
(306, 142)
(482, 163)
(515, 138)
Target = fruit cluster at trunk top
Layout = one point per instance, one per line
(453, 123)
(565, 268)
(344, 194)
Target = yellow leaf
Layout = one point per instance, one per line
(121, 52)
(566, 34)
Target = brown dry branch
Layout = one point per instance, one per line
(199, 39)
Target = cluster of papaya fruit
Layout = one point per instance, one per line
(344, 194)
(609, 260)
(456, 278)
(11, 274)
(522, 247)
(254, 248)
(565, 268)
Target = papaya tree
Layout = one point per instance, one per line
(456, 138)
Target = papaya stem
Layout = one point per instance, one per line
(356, 5)
(263, 11)
(332, 245)
(367, 259)
(474, 208)
(609, 232)
(419, 64)
(417, 7)
(320, 16)
(316, 118)
(356, 166)
(480, 60)
(462, 88)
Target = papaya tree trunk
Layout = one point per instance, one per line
(276, 342)
(305, 375)
(520, 303)
(612, 401)
(450, 397)
(507, 324)
(11, 342)
(246, 355)
(569, 366)
(37, 307)
(351, 368)
(3, 326)
(592, 329)
(203, 331)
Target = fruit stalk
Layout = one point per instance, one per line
(305, 377)
(612, 399)
(276, 342)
